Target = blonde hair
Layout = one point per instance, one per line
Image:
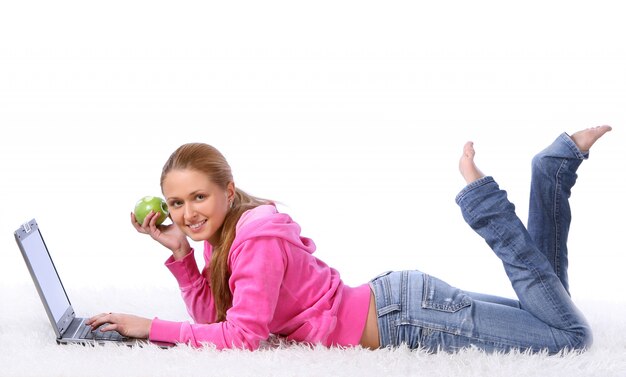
(208, 160)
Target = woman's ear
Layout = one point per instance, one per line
(230, 191)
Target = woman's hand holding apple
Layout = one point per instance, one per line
(169, 236)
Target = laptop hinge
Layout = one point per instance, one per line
(26, 227)
(73, 327)
(66, 321)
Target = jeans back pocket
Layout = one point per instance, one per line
(441, 296)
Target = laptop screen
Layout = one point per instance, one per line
(45, 272)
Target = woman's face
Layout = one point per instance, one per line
(196, 204)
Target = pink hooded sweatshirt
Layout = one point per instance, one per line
(278, 288)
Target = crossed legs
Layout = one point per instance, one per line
(535, 260)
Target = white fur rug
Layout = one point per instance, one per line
(27, 348)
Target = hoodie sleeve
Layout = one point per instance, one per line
(194, 288)
(257, 270)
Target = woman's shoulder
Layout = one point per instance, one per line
(266, 221)
(257, 213)
(266, 224)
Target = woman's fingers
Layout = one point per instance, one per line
(126, 324)
(148, 220)
(149, 223)
(136, 225)
(109, 327)
(167, 235)
(98, 320)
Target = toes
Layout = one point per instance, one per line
(468, 149)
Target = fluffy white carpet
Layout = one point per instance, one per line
(27, 348)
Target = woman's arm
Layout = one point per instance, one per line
(196, 293)
(194, 287)
(258, 267)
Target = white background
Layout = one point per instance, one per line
(352, 114)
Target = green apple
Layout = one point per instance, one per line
(151, 203)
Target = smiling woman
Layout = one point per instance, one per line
(261, 277)
(198, 205)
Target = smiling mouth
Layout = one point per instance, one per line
(197, 226)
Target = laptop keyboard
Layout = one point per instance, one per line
(85, 333)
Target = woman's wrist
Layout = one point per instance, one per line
(181, 252)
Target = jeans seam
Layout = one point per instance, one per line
(556, 216)
(495, 341)
(390, 329)
(404, 295)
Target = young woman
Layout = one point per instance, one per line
(262, 279)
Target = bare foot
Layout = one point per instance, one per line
(468, 168)
(584, 139)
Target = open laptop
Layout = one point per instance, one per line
(67, 327)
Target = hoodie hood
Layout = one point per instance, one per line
(266, 221)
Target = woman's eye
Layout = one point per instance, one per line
(176, 204)
(200, 197)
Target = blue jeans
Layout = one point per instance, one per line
(422, 311)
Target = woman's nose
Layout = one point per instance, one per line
(189, 211)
